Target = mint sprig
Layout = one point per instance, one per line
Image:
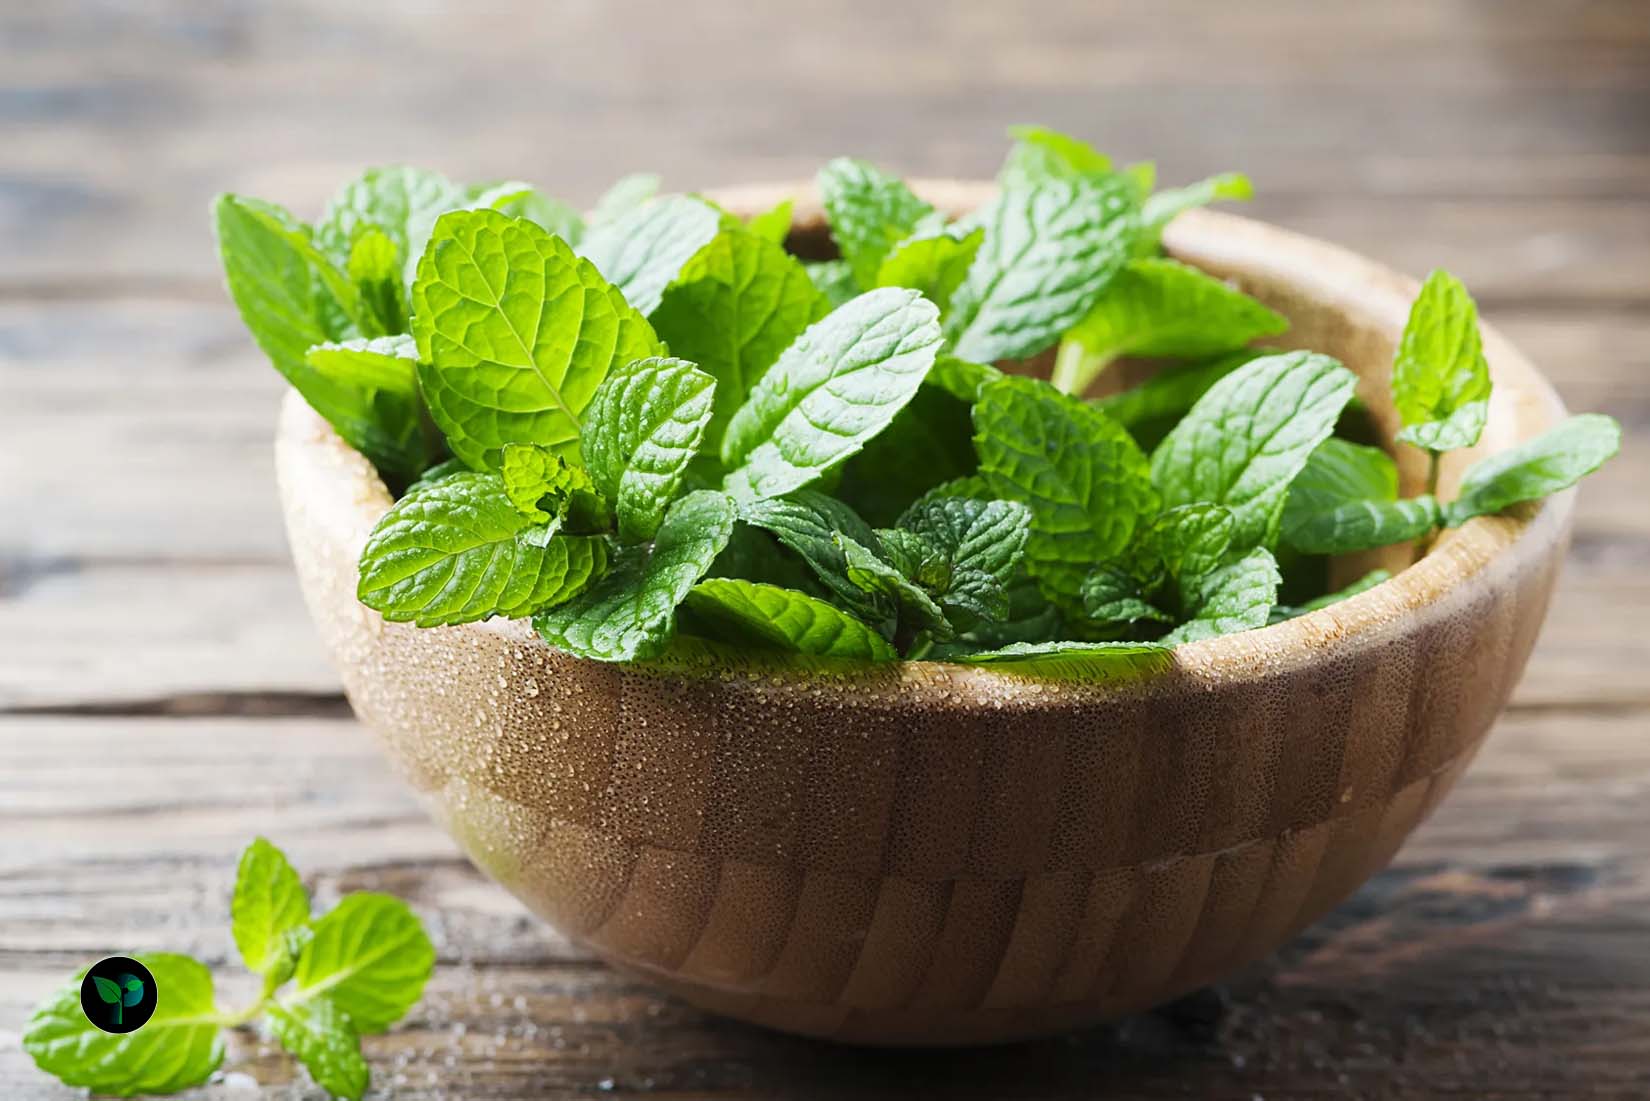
(659, 420)
(357, 968)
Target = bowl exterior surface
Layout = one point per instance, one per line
(936, 854)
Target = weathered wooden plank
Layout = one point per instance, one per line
(1500, 139)
(1515, 925)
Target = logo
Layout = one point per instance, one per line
(118, 995)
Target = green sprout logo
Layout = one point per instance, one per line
(125, 989)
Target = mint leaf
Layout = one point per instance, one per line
(643, 425)
(770, 617)
(980, 543)
(1101, 661)
(627, 195)
(1339, 471)
(1114, 596)
(1554, 460)
(1237, 597)
(369, 957)
(1087, 484)
(1249, 435)
(630, 612)
(834, 279)
(869, 212)
(1440, 381)
(269, 902)
(382, 374)
(271, 276)
(321, 1036)
(375, 267)
(642, 250)
(514, 335)
(1162, 208)
(179, 1047)
(935, 265)
(1050, 251)
(536, 476)
(870, 572)
(1364, 525)
(521, 200)
(737, 304)
(458, 550)
(773, 224)
(1363, 584)
(808, 523)
(400, 201)
(1185, 543)
(1160, 307)
(836, 386)
(1040, 154)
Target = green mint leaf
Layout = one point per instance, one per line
(641, 251)
(1050, 251)
(882, 481)
(375, 267)
(736, 305)
(914, 556)
(369, 957)
(1365, 525)
(1249, 435)
(322, 1038)
(630, 612)
(272, 280)
(441, 470)
(458, 550)
(1236, 597)
(1087, 484)
(627, 194)
(840, 383)
(514, 335)
(869, 212)
(179, 1047)
(643, 426)
(268, 903)
(536, 476)
(770, 617)
(935, 265)
(1339, 471)
(521, 200)
(972, 533)
(1185, 543)
(1030, 618)
(773, 224)
(382, 373)
(1087, 661)
(1440, 381)
(1040, 154)
(1169, 394)
(1160, 307)
(870, 572)
(1162, 208)
(961, 378)
(808, 522)
(1115, 596)
(1554, 460)
(402, 202)
(1142, 176)
(1363, 584)
(834, 279)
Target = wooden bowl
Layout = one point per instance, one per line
(940, 854)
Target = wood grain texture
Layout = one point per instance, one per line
(1508, 140)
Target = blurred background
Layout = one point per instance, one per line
(162, 695)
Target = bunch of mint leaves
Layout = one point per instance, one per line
(326, 981)
(660, 421)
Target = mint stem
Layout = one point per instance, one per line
(1075, 367)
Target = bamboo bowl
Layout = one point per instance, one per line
(938, 854)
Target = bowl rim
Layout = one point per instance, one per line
(1337, 277)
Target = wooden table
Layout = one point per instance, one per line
(163, 698)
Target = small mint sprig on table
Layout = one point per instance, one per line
(326, 982)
